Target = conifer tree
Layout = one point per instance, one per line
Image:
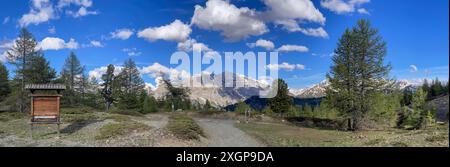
(131, 85)
(107, 90)
(5, 89)
(20, 55)
(72, 74)
(358, 72)
(282, 102)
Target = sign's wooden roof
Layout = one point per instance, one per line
(45, 87)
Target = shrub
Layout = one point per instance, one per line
(184, 127)
(116, 129)
(149, 105)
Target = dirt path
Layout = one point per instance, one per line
(222, 133)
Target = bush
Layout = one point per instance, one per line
(184, 127)
(241, 108)
(149, 105)
(116, 129)
(132, 112)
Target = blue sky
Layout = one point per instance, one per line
(103, 32)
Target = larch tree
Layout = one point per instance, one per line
(358, 72)
(21, 53)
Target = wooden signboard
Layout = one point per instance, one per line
(45, 108)
(45, 104)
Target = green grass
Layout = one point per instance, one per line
(119, 118)
(184, 127)
(116, 129)
(281, 135)
(8, 116)
(285, 135)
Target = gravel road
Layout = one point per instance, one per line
(222, 133)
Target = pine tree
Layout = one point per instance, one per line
(358, 72)
(20, 55)
(426, 88)
(72, 74)
(107, 90)
(40, 71)
(5, 89)
(282, 102)
(131, 85)
(176, 96)
(436, 88)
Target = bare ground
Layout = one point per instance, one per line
(222, 133)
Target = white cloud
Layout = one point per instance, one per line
(188, 46)
(268, 45)
(41, 11)
(363, 11)
(234, 23)
(290, 13)
(83, 3)
(149, 86)
(175, 31)
(292, 48)
(343, 6)
(159, 71)
(52, 30)
(98, 72)
(302, 10)
(413, 68)
(122, 34)
(292, 26)
(51, 43)
(81, 12)
(6, 20)
(131, 51)
(95, 43)
(286, 66)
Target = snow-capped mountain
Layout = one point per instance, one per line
(314, 91)
(209, 87)
(318, 90)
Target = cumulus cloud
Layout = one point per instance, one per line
(363, 11)
(175, 31)
(302, 10)
(98, 72)
(122, 34)
(159, 71)
(95, 43)
(188, 46)
(343, 6)
(41, 11)
(292, 48)
(51, 43)
(81, 12)
(268, 45)
(285, 66)
(83, 3)
(413, 68)
(234, 23)
(131, 51)
(290, 13)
